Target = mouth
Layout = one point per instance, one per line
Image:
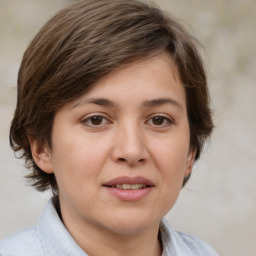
(129, 188)
(129, 183)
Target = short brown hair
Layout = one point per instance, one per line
(83, 43)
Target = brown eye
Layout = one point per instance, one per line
(158, 120)
(96, 120)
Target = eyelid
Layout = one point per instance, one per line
(97, 114)
(170, 120)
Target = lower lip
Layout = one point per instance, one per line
(130, 194)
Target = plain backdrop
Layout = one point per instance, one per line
(219, 203)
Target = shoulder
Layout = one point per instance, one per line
(24, 243)
(179, 243)
(196, 244)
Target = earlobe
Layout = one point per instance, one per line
(190, 162)
(41, 155)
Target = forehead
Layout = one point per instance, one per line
(157, 75)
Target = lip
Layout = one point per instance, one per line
(129, 195)
(129, 180)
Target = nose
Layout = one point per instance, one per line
(129, 146)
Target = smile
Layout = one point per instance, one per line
(125, 182)
(129, 186)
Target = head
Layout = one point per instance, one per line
(84, 43)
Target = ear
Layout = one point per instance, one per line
(190, 161)
(41, 155)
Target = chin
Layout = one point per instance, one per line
(133, 223)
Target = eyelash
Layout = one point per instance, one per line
(89, 119)
(164, 120)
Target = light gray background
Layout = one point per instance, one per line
(218, 204)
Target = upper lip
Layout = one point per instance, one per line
(129, 180)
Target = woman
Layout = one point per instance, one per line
(112, 112)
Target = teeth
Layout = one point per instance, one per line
(136, 186)
(130, 186)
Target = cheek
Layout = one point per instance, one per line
(171, 160)
(76, 159)
(172, 151)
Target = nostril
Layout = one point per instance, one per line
(121, 159)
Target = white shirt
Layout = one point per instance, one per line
(50, 238)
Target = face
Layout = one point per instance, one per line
(121, 151)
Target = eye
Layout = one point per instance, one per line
(161, 121)
(95, 120)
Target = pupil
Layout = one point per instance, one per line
(158, 120)
(96, 120)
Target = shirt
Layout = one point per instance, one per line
(50, 238)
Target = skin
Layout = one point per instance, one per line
(140, 128)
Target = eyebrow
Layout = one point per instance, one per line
(97, 101)
(147, 104)
(162, 101)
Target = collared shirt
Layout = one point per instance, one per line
(50, 238)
